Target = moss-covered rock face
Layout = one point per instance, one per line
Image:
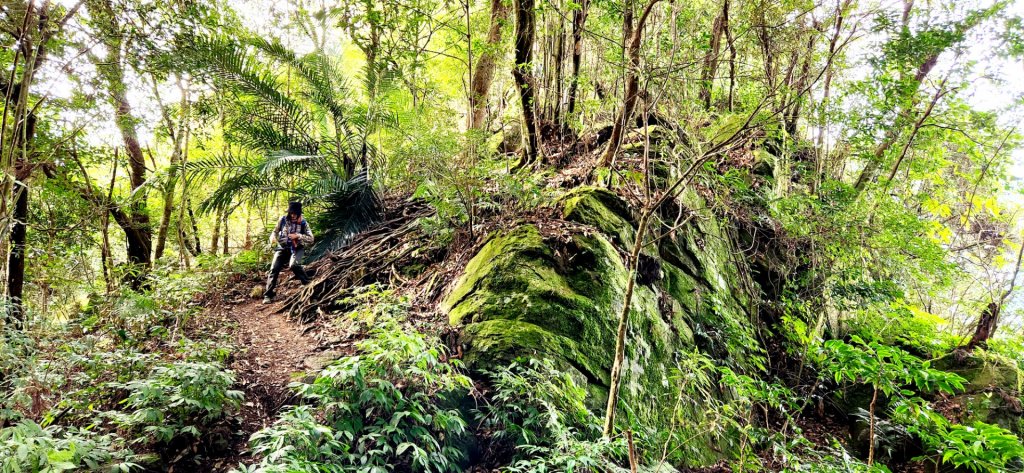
(992, 392)
(559, 297)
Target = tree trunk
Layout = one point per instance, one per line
(108, 259)
(483, 74)
(731, 42)
(803, 78)
(871, 426)
(525, 26)
(248, 228)
(224, 233)
(138, 232)
(632, 80)
(15, 152)
(579, 19)
(989, 320)
(986, 327)
(172, 174)
(710, 69)
(195, 229)
(24, 134)
(16, 257)
(215, 236)
(559, 59)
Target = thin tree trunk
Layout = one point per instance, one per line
(710, 69)
(579, 20)
(248, 228)
(620, 338)
(16, 258)
(801, 82)
(559, 61)
(823, 106)
(16, 154)
(871, 426)
(483, 74)
(215, 236)
(108, 259)
(730, 41)
(224, 233)
(525, 31)
(989, 320)
(632, 80)
(172, 174)
(195, 228)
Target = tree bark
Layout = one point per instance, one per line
(803, 77)
(16, 257)
(987, 324)
(559, 60)
(871, 426)
(108, 259)
(579, 20)
(483, 74)
(525, 32)
(15, 152)
(224, 233)
(710, 69)
(138, 233)
(195, 229)
(172, 174)
(634, 42)
(731, 42)
(215, 236)
(989, 320)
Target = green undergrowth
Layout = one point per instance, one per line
(402, 403)
(118, 386)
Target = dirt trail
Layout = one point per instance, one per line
(272, 351)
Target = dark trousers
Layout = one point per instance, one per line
(282, 256)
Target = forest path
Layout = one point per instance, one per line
(272, 351)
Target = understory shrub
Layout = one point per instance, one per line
(537, 413)
(393, 406)
(29, 447)
(119, 375)
(177, 399)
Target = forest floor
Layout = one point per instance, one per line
(270, 352)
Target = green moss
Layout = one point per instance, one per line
(601, 209)
(560, 298)
(496, 252)
(497, 342)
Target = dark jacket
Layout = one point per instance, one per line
(285, 227)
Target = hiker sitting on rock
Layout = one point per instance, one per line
(292, 235)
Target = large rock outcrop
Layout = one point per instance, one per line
(557, 294)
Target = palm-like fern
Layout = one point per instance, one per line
(300, 132)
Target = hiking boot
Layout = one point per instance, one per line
(268, 299)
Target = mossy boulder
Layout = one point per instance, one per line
(522, 295)
(992, 393)
(603, 210)
(559, 296)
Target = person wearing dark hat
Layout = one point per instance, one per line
(292, 235)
